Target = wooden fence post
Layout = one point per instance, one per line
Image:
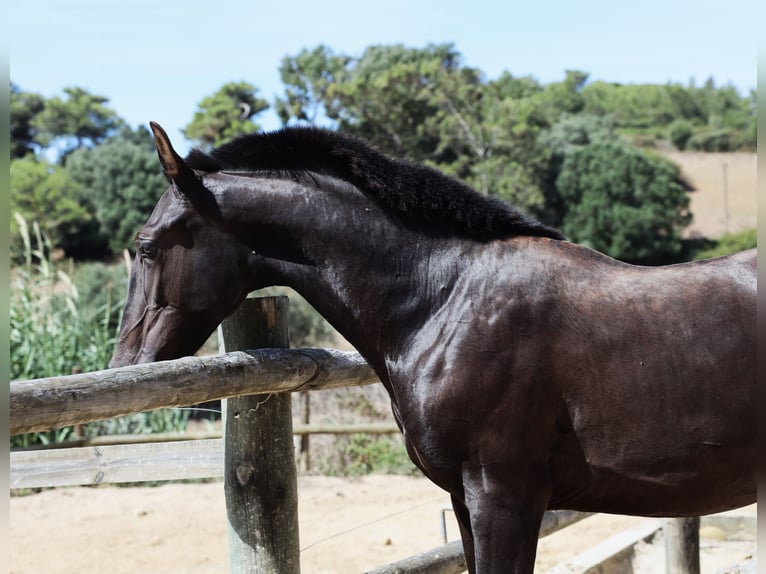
(260, 478)
(682, 545)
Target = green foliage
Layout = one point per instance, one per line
(721, 140)
(225, 115)
(121, 182)
(366, 454)
(64, 322)
(564, 97)
(46, 194)
(49, 335)
(80, 119)
(570, 133)
(389, 95)
(630, 106)
(574, 131)
(730, 243)
(25, 106)
(309, 79)
(623, 202)
(424, 104)
(156, 421)
(647, 109)
(679, 133)
(99, 285)
(488, 138)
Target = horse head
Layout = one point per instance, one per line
(189, 271)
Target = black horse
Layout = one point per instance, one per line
(525, 372)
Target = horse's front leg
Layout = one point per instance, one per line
(505, 514)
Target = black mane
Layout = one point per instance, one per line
(414, 192)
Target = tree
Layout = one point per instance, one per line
(564, 97)
(309, 79)
(569, 134)
(225, 115)
(503, 157)
(387, 96)
(121, 181)
(425, 105)
(81, 119)
(45, 193)
(624, 202)
(25, 106)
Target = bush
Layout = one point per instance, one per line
(714, 141)
(730, 243)
(679, 133)
(624, 202)
(366, 454)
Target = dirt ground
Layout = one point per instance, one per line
(347, 526)
(716, 212)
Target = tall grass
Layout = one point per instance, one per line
(49, 335)
(55, 332)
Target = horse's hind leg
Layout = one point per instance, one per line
(464, 522)
(505, 520)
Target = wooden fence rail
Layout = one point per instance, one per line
(122, 458)
(178, 460)
(56, 402)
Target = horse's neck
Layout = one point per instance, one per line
(373, 280)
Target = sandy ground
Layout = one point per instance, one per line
(347, 526)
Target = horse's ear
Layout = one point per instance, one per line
(174, 168)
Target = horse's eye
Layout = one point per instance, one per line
(147, 249)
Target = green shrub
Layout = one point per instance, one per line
(730, 243)
(48, 333)
(366, 454)
(48, 195)
(623, 202)
(722, 140)
(679, 133)
(57, 329)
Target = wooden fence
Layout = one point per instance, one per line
(261, 500)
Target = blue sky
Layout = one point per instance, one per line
(155, 60)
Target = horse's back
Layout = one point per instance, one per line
(657, 368)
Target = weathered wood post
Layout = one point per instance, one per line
(260, 481)
(682, 545)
